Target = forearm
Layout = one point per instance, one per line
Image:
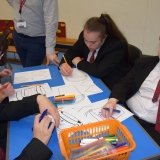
(35, 150)
(113, 101)
(16, 110)
(51, 24)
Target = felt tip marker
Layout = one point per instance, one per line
(114, 110)
(4, 86)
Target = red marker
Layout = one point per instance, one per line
(4, 86)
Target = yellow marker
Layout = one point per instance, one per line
(65, 96)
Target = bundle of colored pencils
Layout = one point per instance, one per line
(64, 99)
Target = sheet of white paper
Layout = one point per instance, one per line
(31, 76)
(88, 113)
(93, 112)
(80, 99)
(76, 77)
(32, 90)
(69, 120)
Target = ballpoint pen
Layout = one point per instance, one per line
(42, 115)
(114, 110)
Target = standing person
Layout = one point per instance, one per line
(140, 90)
(35, 24)
(101, 51)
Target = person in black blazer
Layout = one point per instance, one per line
(111, 51)
(15, 110)
(137, 89)
(37, 147)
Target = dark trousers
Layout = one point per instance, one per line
(150, 129)
(31, 50)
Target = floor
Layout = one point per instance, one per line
(17, 65)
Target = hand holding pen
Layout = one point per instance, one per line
(7, 89)
(41, 130)
(109, 108)
(65, 69)
(44, 103)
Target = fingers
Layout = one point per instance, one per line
(56, 117)
(108, 111)
(105, 113)
(47, 62)
(53, 58)
(65, 69)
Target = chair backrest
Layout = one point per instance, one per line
(3, 47)
(134, 53)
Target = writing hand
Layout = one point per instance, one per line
(65, 69)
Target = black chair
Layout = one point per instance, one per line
(3, 49)
(134, 53)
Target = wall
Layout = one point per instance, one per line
(138, 19)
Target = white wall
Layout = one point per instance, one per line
(139, 20)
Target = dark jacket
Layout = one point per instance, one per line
(110, 65)
(130, 84)
(15, 110)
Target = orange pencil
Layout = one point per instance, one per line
(65, 61)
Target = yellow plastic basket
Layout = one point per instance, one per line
(70, 138)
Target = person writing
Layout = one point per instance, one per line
(140, 90)
(37, 147)
(35, 30)
(15, 110)
(101, 51)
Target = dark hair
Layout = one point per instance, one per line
(105, 25)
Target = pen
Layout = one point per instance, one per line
(4, 86)
(28, 85)
(63, 99)
(114, 110)
(65, 96)
(42, 115)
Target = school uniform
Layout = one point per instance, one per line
(110, 65)
(137, 90)
(14, 111)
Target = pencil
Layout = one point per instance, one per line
(65, 61)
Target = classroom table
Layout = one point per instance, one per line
(20, 133)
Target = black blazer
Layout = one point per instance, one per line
(16, 110)
(130, 84)
(110, 65)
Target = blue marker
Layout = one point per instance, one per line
(121, 144)
(42, 115)
(114, 110)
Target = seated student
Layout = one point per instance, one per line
(16, 110)
(101, 51)
(37, 148)
(137, 89)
